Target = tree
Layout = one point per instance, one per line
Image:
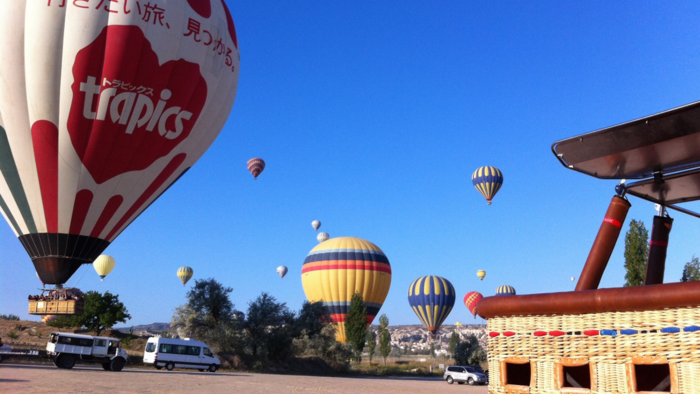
(636, 252)
(371, 344)
(384, 337)
(465, 352)
(356, 325)
(101, 312)
(312, 318)
(211, 300)
(454, 340)
(691, 270)
(432, 349)
(270, 327)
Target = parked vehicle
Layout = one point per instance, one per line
(180, 353)
(463, 375)
(64, 349)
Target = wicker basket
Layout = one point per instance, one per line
(610, 343)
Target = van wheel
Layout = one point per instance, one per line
(213, 368)
(202, 370)
(159, 368)
(66, 361)
(169, 366)
(450, 380)
(0, 358)
(105, 366)
(117, 364)
(470, 381)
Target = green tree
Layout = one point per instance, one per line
(356, 325)
(371, 344)
(432, 349)
(691, 270)
(454, 340)
(210, 299)
(636, 252)
(464, 353)
(101, 312)
(270, 328)
(384, 337)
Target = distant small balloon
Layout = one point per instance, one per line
(488, 181)
(505, 290)
(103, 265)
(481, 274)
(185, 274)
(471, 299)
(256, 166)
(282, 271)
(572, 278)
(316, 224)
(322, 237)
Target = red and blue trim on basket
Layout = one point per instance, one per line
(612, 333)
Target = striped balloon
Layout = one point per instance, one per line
(471, 299)
(505, 290)
(256, 165)
(432, 299)
(335, 269)
(184, 274)
(322, 237)
(487, 180)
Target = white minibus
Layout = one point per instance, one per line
(179, 353)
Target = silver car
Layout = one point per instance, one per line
(463, 375)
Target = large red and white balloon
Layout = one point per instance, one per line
(103, 106)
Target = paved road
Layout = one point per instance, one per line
(43, 378)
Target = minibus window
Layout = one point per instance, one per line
(208, 352)
(166, 348)
(101, 342)
(150, 347)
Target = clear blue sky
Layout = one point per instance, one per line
(372, 115)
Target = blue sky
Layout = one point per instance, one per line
(372, 116)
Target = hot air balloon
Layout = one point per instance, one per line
(481, 274)
(322, 237)
(471, 299)
(316, 224)
(256, 166)
(487, 180)
(334, 270)
(184, 274)
(505, 290)
(282, 271)
(432, 299)
(101, 111)
(573, 278)
(47, 318)
(103, 265)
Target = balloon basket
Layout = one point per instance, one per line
(65, 302)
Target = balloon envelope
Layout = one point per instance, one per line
(256, 166)
(334, 270)
(48, 318)
(101, 111)
(481, 274)
(185, 274)
(103, 265)
(432, 299)
(471, 299)
(322, 237)
(505, 290)
(488, 181)
(282, 271)
(316, 224)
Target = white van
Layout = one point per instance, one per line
(180, 353)
(64, 349)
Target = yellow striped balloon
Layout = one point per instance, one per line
(335, 269)
(488, 181)
(481, 274)
(505, 290)
(48, 318)
(432, 299)
(103, 265)
(185, 274)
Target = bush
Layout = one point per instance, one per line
(13, 334)
(9, 317)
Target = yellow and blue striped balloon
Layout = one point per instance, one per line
(185, 274)
(432, 299)
(505, 290)
(488, 181)
(256, 165)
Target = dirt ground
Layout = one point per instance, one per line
(43, 378)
